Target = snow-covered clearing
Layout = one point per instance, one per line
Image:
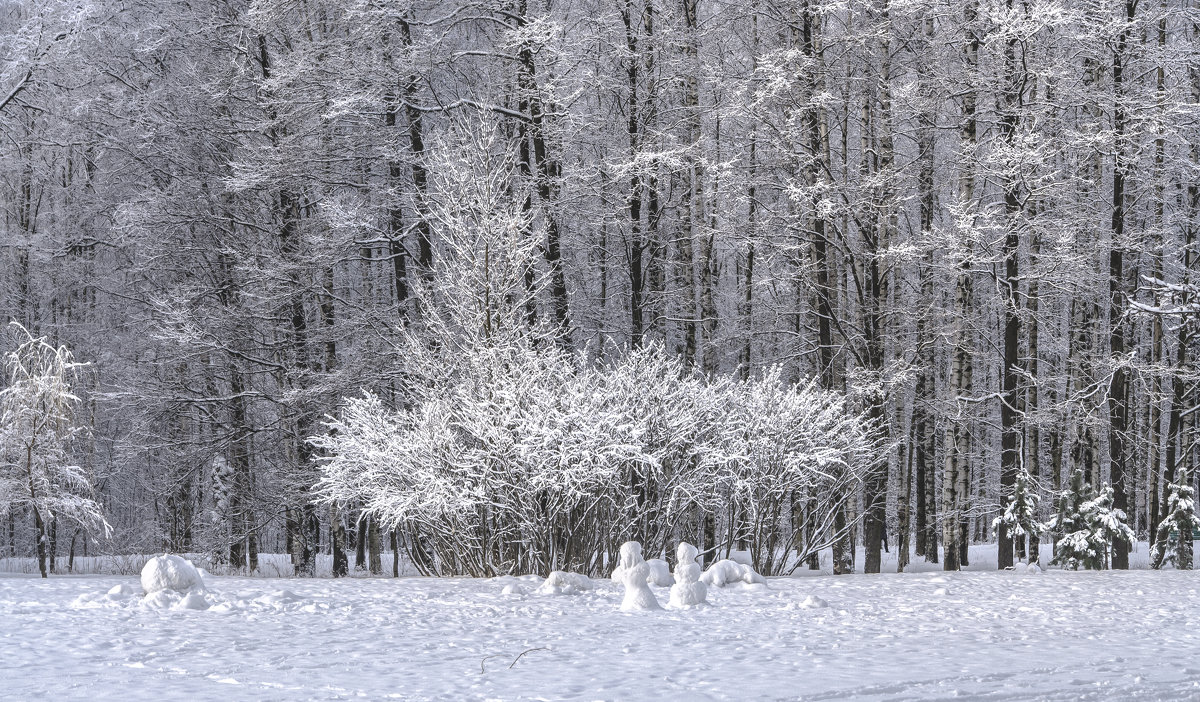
(994, 635)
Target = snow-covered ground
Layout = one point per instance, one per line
(979, 635)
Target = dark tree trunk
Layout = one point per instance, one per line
(1118, 410)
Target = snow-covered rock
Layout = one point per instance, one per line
(635, 575)
(171, 573)
(562, 583)
(687, 591)
(727, 572)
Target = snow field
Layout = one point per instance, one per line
(998, 635)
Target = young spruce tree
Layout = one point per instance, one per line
(1020, 514)
(1173, 542)
(1087, 525)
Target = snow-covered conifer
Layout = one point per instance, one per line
(1173, 542)
(1086, 525)
(1021, 513)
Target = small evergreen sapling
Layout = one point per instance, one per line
(1087, 525)
(1173, 542)
(1021, 514)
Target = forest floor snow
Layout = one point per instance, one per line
(980, 635)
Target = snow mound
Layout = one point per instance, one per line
(636, 576)
(813, 602)
(128, 597)
(513, 589)
(118, 595)
(942, 591)
(563, 583)
(172, 600)
(171, 573)
(727, 572)
(279, 599)
(192, 600)
(687, 591)
(660, 573)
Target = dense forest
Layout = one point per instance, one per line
(975, 221)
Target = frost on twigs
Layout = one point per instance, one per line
(38, 433)
(635, 573)
(687, 591)
(727, 572)
(506, 452)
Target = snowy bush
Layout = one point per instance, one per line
(524, 462)
(37, 428)
(505, 453)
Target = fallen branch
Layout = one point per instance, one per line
(510, 665)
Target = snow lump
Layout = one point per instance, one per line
(726, 572)
(563, 583)
(687, 591)
(171, 573)
(635, 574)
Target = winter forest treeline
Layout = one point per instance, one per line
(976, 219)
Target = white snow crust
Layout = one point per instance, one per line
(997, 635)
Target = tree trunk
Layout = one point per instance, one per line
(337, 543)
(40, 532)
(1118, 411)
(374, 548)
(1010, 456)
